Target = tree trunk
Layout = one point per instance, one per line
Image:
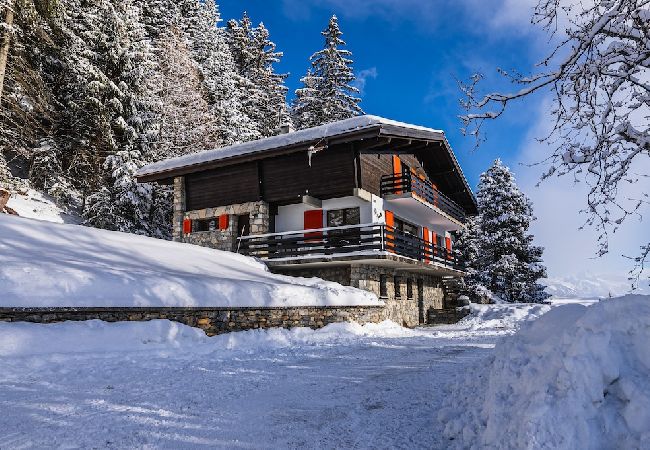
(4, 43)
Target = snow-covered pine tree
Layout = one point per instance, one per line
(254, 55)
(468, 251)
(509, 265)
(122, 203)
(327, 94)
(186, 121)
(223, 85)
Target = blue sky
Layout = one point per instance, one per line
(416, 54)
(417, 49)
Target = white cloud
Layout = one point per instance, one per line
(362, 77)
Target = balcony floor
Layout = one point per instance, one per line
(372, 258)
(411, 206)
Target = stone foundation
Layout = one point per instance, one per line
(211, 320)
(403, 309)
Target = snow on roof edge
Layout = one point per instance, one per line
(283, 140)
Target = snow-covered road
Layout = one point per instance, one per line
(327, 389)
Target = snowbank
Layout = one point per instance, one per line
(577, 377)
(45, 264)
(20, 339)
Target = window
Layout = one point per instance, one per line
(406, 227)
(409, 288)
(397, 281)
(383, 288)
(341, 217)
(204, 225)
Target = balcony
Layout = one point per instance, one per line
(352, 241)
(410, 186)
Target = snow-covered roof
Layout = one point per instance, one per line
(330, 130)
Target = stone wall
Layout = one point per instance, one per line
(178, 208)
(212, 320)
(227, 239)
(402, 309)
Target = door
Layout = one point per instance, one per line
(421, 302)
(243, 225)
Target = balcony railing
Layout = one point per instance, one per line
(408, 182)
(351, 239)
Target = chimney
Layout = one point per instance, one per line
(286, 128)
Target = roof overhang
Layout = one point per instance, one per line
(366, 133)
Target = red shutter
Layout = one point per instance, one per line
(448, 245)
(427, 244)
(434, 242)
(313, 219)
(397, 172)
(223, 222)
(187, 226)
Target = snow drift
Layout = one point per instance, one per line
(22, 339)
(577, 377)
(44, 264)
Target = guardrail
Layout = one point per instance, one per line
(344, 240)
(407, 182)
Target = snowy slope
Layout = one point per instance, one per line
(591, 286)
(46, 264)
(36, 205)
(577, 377)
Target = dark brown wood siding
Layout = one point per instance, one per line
(373, 166)
(331, 174)
(223, 186)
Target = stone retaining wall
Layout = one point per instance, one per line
(211, 320)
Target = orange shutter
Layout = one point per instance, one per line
(187, 226)
(223, 222)
(434, 240)
(448, 245)
(390, 236)
(427, 244)
(397, 173)
(313, 219)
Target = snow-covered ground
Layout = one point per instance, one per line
(161, 384)
(49, 264)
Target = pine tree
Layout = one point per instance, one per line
(222, 83)
(122, 203)
(186, 121)
(467, 248)
(508, 264)
(254, 55)
(327, 94)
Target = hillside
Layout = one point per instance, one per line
(49, 264)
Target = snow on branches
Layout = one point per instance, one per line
(495, 249)
(327, 94)
(599, 76)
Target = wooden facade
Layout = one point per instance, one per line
(285, 179)
(227, 185)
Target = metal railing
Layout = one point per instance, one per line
(408, 182)
(344, 240)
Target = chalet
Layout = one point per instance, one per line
(367, 202)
